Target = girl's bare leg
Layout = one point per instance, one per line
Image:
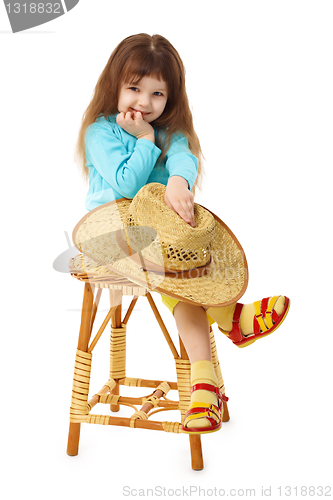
(193, 328)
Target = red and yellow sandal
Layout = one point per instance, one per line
(265, 321)
(211, 412)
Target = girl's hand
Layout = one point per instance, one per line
(134, 124)
(180, 199)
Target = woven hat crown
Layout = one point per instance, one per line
(182, 247)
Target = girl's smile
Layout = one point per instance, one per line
(142, 112)
(149, 96)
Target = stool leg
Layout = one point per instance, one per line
(195, 440)
(115, 300)
(84, 337)
(196, 452)
(73, 439)
(226, 416)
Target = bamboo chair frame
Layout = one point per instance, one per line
(81, 405)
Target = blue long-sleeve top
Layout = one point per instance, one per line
(120, 164)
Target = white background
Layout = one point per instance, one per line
(259, 79)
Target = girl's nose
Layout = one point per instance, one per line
(143, 100)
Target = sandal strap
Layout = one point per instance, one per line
(210, 412)
(235, 333)
(258, 320)
(271, 315)
(211, 420)
(266, 315)
(211, 388)
(200, 409)
(206, 409)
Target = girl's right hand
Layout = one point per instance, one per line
(134, 124)
(180, 199)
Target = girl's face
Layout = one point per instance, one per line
(149, 96)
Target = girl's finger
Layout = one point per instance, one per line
(188, 212)
(184, 212)
(128, 116)
(190, 205)
(167, 202)
(120, 117)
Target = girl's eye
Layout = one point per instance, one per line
(134, 89)
(158, 93)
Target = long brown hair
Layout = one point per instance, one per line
(135, 57)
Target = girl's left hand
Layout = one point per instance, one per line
(134, 124)
(180, 199)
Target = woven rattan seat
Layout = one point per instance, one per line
(85, 269)
(97, 277)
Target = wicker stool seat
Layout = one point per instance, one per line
(98, 277)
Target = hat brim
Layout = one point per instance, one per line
(226, 282)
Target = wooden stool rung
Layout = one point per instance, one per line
(129, 310)
(142, 382)
(95, 307)
(162, 326)
(138, 423)
(113, 398)
(102, 328)
(156, 398)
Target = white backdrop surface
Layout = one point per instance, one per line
(259, 79)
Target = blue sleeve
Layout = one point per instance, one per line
(126, 172)
(180, 161)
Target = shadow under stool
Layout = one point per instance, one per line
(96, 278)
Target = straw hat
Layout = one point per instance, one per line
(147, 242)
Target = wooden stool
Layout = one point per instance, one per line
(98, 277)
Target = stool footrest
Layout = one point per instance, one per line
(138, 423)
(115, 399)
(156, 399)
(141, 382)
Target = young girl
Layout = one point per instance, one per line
(138, 129)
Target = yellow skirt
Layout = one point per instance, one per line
(171, 303)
